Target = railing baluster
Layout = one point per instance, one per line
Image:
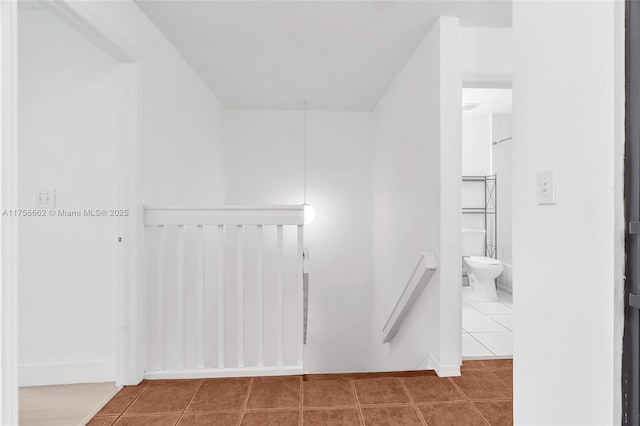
(280, 297)
(240, 295)
(221, 296)
(180, 299)
(300, 295)
(260, 298)
(200, 294)
(160, 298)
(209, 296)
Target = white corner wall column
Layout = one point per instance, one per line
(8, 229)
(416, 176)
(568, 109)
(449, 358)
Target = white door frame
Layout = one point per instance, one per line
(129, 365)
(8, 230)
(130, 319)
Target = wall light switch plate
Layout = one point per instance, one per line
(547, 187)
(44, 199)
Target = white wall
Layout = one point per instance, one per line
(476, 161)
(476, 144)
(67, 265)
(502, 167)
(183, 160)
(485, 56)
(265, 166)
(416, 181)
(567, 116)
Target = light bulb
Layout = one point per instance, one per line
(309, 214)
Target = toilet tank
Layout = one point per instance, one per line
(473, 241)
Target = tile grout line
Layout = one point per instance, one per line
(264, 409)
(469, 401)
(353, 389)
(343, 407)
(482, 344)
(413, 402)
(384, 405)
(500, 380)
(472, 307)
(144, 389)
(190, 401)
(488, 316)
(246, 401)
(490, 400)
(485, 315)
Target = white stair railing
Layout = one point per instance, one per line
(421, 275)
(224, 294)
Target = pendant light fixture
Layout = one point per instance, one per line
(309, 212)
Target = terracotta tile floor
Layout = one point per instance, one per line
(481, 396)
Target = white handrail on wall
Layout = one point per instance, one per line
(421, 275)
(224, 293)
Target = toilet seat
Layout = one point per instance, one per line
(483, 260)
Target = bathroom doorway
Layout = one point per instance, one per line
(487, 273)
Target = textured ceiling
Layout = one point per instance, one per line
(339, 55)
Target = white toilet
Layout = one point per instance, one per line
(483, 270)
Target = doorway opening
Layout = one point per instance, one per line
(487, 327)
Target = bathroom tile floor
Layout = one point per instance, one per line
(487, 327)
(482, 395)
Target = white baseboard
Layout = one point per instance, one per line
(66, 373)
(505, 289)
(205, 373)
(442, 370)
(424, 364)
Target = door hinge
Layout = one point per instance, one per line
(634, 300)
(634, 228)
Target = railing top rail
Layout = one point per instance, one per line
(225, 207)
(223, 215)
